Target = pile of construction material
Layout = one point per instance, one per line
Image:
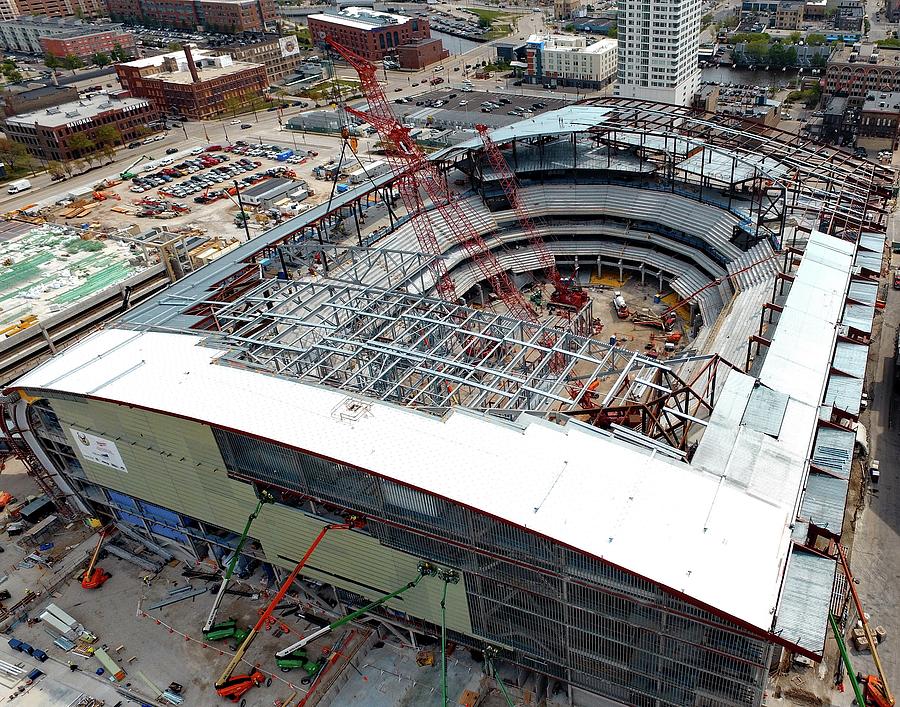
(52, 266)
(860, 640)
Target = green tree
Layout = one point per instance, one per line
(484, 23)
(794, 38)
(781, 56)
(109, 152)
(51, 62)
(613, 32)
(68, 167)
(757, 52)
(819, 61)
(55, 169)
(107, 135)
(72, 62)
(118, 54)
(12, 75)
(815, 40)
(233, 104)
(174, 47)
(80, 145)
(100, 59)
(14, 155)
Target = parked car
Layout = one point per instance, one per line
(171, 150)
(134, 145)
(245, 126)
(875, 471)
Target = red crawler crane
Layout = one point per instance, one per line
(567, 293)
(414, 172)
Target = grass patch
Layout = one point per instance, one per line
(487, 15)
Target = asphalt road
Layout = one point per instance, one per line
(875, 561)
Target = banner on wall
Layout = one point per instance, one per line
(289, 46)
(98, 450)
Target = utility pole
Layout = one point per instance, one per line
(243, 213)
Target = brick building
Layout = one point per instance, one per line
(371, 34)
(85, 44)
(879, 122)
(280, 55)
(47, 132)
(420, 53)
(194, 85)
(11, 9)
(228, 16)
(789, 14)
(28, 34)
(858, 71)
(23, 99)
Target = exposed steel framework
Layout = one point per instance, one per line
(566, 293)
(415, 171)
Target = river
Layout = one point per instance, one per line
(455, 45)
(726, 75)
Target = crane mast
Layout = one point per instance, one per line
(415, 172)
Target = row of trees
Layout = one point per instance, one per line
(91, 150)
(10, 71)
(72, 62)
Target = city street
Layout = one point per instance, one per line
(875, 561)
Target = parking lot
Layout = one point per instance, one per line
(458, 108)
(196, 188)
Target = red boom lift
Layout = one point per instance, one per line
(94, 577)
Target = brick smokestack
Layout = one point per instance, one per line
(190, 62)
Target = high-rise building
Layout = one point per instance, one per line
(658, 44)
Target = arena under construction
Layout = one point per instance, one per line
(636, 500)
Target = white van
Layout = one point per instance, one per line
(18, 186)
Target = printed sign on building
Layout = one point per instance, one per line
(99, 450)
(289, 46)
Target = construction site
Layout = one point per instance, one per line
(568, 413)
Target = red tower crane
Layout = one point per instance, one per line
(415, 172)
(566, 293)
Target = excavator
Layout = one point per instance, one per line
(95, 577)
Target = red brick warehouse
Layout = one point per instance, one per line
(371, 34)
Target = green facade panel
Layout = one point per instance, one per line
(171, 462)
(358, 563)
(176, 463)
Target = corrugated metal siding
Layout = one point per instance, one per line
(851, 358)
(805, 599)
(358, 563)
(859, 316)
(834, 450)
(872, 242)
(863, 292)
(869, 260)
(844, 392)
(765, 410)
(823, 502)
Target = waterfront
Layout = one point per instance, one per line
(455, 45)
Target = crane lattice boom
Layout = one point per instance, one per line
(415, 171)
(566, 293)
